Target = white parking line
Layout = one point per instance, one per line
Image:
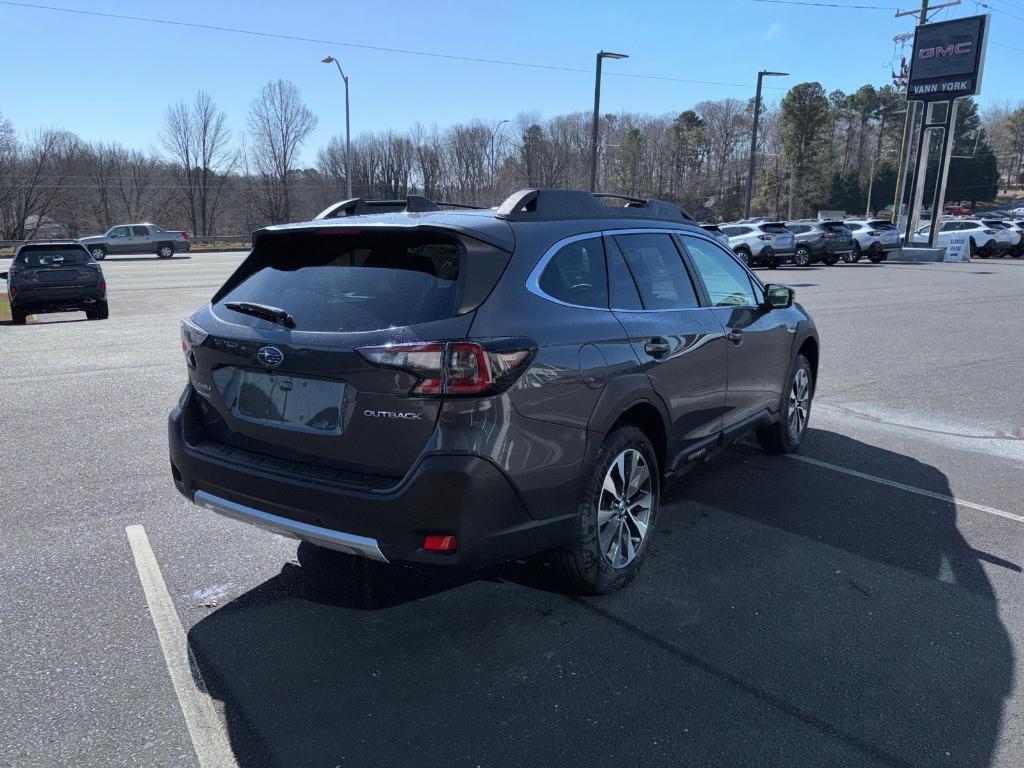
(908, 488)
(204, 725)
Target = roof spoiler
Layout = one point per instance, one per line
(557, 204)
(359, 206)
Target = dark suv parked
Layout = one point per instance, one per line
(55, 277)
(825, 241)
(464, 387)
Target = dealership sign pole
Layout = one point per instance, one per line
(948, 60)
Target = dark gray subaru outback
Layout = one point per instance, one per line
(408, 383)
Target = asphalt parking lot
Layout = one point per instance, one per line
(860, 604)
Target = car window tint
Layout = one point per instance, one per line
(659, 271)
(727, 282)
(140, 231)
(119, 232)
(576, 274)
(623, 293)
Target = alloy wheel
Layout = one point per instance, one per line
(624, 507)
(799, 403)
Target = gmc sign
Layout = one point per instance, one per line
(958, 49)
(948, 59)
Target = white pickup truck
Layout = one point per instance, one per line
(136, 238)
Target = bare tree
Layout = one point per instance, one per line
(198, 144)
(36, 181)
(279, 124)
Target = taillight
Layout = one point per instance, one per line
(191, 337)
(872, 233)
(185, 235)
(103, 286)
(764, 237)
(456, 367)
(12, 290)
(989, 231)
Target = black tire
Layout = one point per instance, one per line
(100, 311)
(165, 250)
(98, 252)
(786, 434)
(18, 315)
(802, 256)
(744, 255)
(774, 263)
(876, 257)
(585, 563)
(830, 260)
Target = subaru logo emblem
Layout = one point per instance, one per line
(270, 356)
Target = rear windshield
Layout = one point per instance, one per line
(352, 282)
(774, 228)
(833, 226)
(52, 257)
(887, 225)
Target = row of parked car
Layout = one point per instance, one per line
(763, 242)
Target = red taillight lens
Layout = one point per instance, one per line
(13, 291)
(764, 237)
(191, 336)
(185, 234)
(456, 367)
(103, 285)
(440, 543)
(872, 233)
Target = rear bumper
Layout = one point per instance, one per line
(55, 298)
(466, 496)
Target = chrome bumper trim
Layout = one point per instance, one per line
(324, 537)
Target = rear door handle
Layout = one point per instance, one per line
(736, 337)
(657, 347)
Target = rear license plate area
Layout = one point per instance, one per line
(284, 401)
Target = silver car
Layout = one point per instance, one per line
(767, 244)
(875, 237)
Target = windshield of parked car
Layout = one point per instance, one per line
(56, 257)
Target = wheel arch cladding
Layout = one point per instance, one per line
(809, 349)
(649, 420)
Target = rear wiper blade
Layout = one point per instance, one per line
(273, 314)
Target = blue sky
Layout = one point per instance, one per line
(108, 79)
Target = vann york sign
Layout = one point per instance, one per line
(948, 59)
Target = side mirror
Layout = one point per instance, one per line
(778, 296)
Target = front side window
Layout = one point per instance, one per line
(119, 232)
(727, 282)
(576, 274)
(659, 271)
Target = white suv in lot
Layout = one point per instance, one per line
(983, 240)
(874, 237)
(768, 243)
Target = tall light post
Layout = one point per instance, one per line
(753, 137)
(491, 157)
(348, 135)
(597, 114)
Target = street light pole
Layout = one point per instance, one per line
(753, 137)
(348, 133)
(494, 135)
(597, 114)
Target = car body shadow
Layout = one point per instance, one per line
(782, 618)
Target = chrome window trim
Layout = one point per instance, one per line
(533, 280)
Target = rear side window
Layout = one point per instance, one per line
(140, 231)
(659, 272)
(52, 257)
(351, 282)
(576, 274)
